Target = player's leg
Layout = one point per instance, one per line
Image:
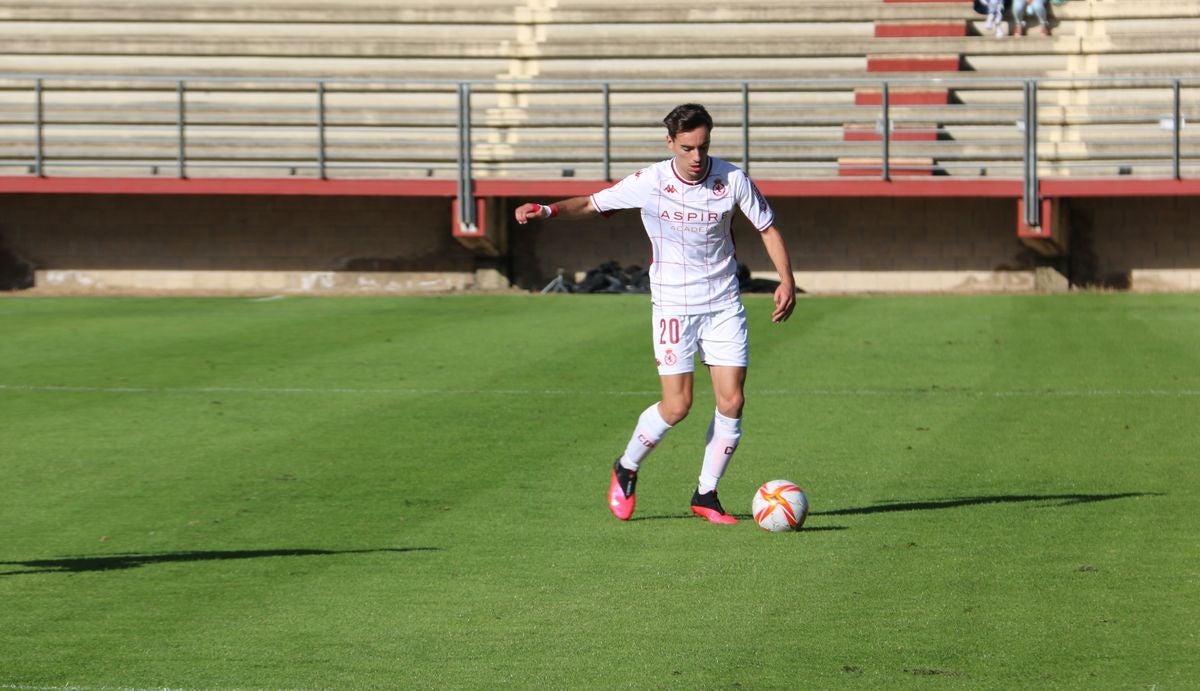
(652, 426)
(674, 350)
(725, 429)
(724, 435)
(655, 421)
(724, 345)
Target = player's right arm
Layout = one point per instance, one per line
(630, 193)
(568, 209)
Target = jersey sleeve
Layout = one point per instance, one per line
(753, 204)
(630, 193)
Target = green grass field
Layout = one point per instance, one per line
(409, 493)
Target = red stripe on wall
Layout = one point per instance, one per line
(900, 97)
(913, 63)
(920, 29)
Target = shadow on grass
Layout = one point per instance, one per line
(1051, 500)
(739, 516)
(113, 562)
(1054, 500)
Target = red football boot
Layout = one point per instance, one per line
(708, 507)
(621, 499)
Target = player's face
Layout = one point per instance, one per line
(691, 152)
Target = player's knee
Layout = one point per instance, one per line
(674, 411)
(730, 405)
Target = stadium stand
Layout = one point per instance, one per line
(560, 95)
(389, 74)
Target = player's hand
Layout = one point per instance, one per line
(785, 302)
(525, 212)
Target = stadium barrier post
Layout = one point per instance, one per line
(885, 133)
(466, 198)
(1032, 207)
(39, 129)
(1176, 126)
(321, 129)
(746, 127)
(181, 124)
(607, 132)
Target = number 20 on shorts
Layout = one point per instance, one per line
(668, 331)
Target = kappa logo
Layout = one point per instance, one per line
(762, 201)
(719, 189)
(670, 189)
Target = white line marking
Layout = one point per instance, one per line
(18, 687)
(870, 393)
(312, 390)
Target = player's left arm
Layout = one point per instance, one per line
(785, 294)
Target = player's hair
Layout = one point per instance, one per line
(686, 118)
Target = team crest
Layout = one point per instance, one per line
(669, 358)
(719, 189)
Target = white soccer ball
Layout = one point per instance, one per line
(780, 505)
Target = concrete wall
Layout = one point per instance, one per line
(313, 244)
(236, 243)
(836, 245)
(1142, 243)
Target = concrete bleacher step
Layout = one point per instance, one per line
(649, 35)
(497, 142)
(521, 131)
(907, 131)
(278, 40)
(825, 141)
(310, 11)
(574, 11)
(703, 68)
(1141, 26)
(1113, 64)
(850, 166)
(448, 69)
(1130, 10)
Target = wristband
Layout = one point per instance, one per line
(545, 210)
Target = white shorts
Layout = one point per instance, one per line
(719, 338)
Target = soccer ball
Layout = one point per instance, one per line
(780, 505)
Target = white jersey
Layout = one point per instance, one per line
(693, 269)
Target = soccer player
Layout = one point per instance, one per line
(687, 204)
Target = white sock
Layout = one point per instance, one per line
(723, 436)
(650, 430)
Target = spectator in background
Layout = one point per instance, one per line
(995, 17)
(1022, 7)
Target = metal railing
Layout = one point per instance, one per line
(54, 125)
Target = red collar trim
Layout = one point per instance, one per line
(704, 177)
